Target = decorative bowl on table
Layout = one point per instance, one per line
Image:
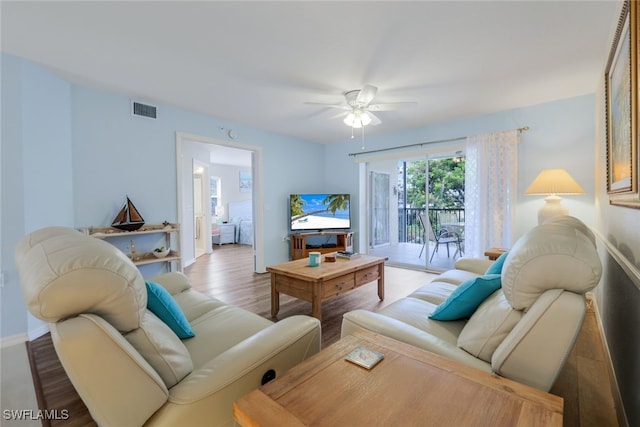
(161, 252)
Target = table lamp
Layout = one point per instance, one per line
(553, 182)
(219, 213)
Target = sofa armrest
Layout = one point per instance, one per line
(537, 348)
(116, 383)
(474, 265)
(396, 329)
(207, 394)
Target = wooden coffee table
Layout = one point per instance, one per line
(330, 279)
(410, 386)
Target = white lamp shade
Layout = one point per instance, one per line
(552, 182)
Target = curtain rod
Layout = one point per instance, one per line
(420, 144)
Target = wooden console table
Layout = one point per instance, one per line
(410, 386)
(300, 249)
(330, 279)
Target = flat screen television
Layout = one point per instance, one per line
(319, 211)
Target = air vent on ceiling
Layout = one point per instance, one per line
(144, 110)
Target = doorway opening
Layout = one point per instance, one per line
(206, 212)
(200, 171)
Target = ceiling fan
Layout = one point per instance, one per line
(358, 109)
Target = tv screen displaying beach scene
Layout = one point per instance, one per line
(319, 212)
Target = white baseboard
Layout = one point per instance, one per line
(13, 340)
(22, 338)
(38, 332)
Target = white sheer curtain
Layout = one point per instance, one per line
(491, 179)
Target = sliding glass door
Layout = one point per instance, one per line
(424, 198)
(380, 208)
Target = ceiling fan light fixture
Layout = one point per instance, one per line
(350, 119)
(357, 119)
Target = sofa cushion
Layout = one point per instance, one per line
(162, 349)
(457, 276)
(162, 304)
(553, 255)
(496, 267)
(195, 304)
(488, 326)
(174, 282)
(220, 329)
(466, 298)
(411, 311)
(435, 292)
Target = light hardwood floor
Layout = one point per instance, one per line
(226, 274)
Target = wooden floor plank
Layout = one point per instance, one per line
(227, 274)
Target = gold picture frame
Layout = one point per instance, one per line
(621, 93)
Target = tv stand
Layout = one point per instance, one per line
(341, 241)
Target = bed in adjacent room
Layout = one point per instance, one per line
(241, 214)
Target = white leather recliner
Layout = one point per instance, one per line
(523, 331)
(128, 366)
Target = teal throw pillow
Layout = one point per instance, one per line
(467, 297)
(496, 267)
(162, 304)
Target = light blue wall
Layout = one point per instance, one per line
(37, 188)
(13, 316)
(561, 135)
(115, 154)
(70, 154)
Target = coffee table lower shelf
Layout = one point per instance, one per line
(409, 386)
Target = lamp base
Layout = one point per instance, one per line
(551, 208)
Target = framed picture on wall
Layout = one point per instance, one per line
(246, 183)
(621, 86)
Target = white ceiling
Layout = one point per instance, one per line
(257, 63)
(223, 155)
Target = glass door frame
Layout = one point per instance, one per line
(437, 151)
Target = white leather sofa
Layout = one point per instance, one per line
(128, 366)
(523, 331)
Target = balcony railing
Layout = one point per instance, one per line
(410, 228)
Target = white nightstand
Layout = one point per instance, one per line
(223, 233)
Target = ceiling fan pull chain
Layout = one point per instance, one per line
(352, 136)
(362, 137)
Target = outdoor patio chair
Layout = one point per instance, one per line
(443, 237)
(450, 222)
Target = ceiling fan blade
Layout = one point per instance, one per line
(338, 115)
(388, 106)
(324, 104)
(374, 119)
(366, 95)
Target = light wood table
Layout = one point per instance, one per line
(328, 280)
(494, 253)
(410, 386)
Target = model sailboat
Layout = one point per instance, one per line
(128, 219)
